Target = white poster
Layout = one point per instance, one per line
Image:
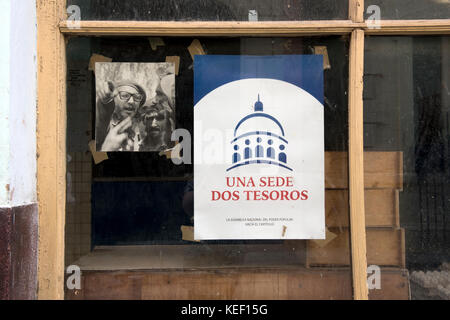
(259, 147)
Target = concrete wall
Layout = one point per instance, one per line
(18, 207)
(5, 13)
(18, 103)
(22, 114)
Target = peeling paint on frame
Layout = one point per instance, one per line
(51, 148)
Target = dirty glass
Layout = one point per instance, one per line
(407, 145)
(407, 9)
(127, 212)
(209, 10)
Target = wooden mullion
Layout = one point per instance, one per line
(51, 148)
(356, 10)
(356, 167)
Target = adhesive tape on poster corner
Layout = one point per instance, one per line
(97, 58)
(176, 61)
(196, 48)
(188, 233)
(330, 236)
(98, 156)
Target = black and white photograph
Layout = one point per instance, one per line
(135, 106)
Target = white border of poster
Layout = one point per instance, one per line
(259, 149)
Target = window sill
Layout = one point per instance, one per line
(193, 257)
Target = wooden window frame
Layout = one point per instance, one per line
(51, 126)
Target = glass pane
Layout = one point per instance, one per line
(407, 141)
(409, 9)
(125, 213)
(212, 10)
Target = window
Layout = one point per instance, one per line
(409, 9)
(406, 116)
(335, 267)
(134, 204)
(212, 10)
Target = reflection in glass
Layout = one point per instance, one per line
(409, 9)
(407, 114)
(136, 207)
(212, 10)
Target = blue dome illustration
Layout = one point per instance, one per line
(259, 138)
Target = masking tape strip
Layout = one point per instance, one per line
(196, 48)
(323, 51)
(97, 58)
(156, 42)
(173, 151)
(98, 156)
(330, 236)
(188, 233)
(176, 61)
